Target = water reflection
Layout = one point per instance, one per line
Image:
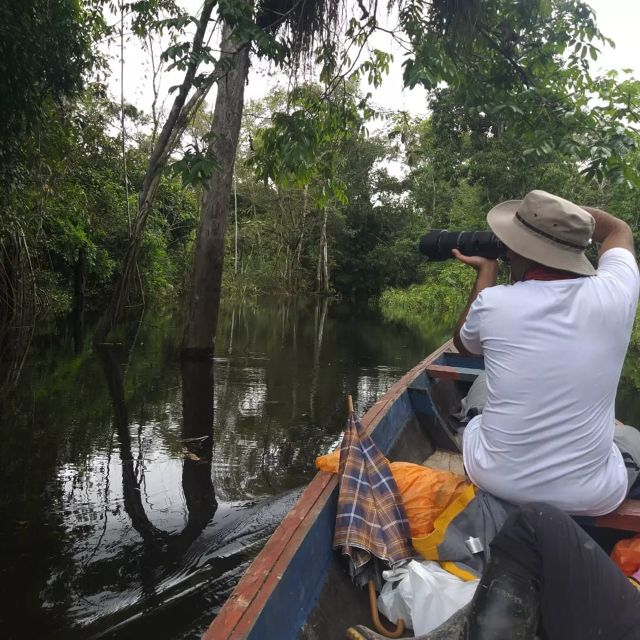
(137, 490)
(197, 440)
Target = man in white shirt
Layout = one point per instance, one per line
(554, 343)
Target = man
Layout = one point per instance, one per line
(554, 343)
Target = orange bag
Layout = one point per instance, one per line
(329, 463)
(626, 554)
(425, 492)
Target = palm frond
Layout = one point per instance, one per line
(305, 22)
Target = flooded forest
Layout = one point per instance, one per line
(209, 234)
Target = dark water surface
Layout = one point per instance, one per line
(120, 515)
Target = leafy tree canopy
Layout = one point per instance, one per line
(45, 49)
(523, 66)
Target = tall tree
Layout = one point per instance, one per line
(244, 24)
(189, 56)
(225, 128)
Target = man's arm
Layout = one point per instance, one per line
(610, 231)
(487, 275)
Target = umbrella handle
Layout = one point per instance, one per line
(399, 630)
(350, 404)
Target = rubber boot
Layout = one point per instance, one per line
(506, 604)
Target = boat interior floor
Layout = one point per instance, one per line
(445, 461)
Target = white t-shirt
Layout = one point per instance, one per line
(553, 355)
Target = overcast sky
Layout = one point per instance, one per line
(618, 19)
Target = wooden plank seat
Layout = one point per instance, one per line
(443, 460)
(455, 366)
(626, 517)
(453, 372)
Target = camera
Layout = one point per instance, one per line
(438, 243)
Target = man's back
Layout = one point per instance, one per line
(553, 353)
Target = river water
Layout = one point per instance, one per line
(130, 508)
(121, 515)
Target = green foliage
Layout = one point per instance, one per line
(525, 67)
(195, 168)
(45, 49)
(301, 144)
(460, 167)
(631, 369)
(148, 16)
(374, 242)
(442, 296)
(71, 199)
(372, 235)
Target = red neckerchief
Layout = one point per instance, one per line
(540, 272)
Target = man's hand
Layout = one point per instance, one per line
(487, 271)
(610, 231)
(477, 262)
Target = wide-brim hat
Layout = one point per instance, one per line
(546, 229)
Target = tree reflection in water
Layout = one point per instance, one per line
(110, 487)
(164, 549)
(197, 436)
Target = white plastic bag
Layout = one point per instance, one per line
(395, 599)
(424, 595)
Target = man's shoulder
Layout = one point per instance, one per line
(618, 261)
(618, 270)
(505, 300)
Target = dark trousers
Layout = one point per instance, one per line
(583, 595)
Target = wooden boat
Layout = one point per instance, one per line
(297, 587)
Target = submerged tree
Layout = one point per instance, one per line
(303, 24)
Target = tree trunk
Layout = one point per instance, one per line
(80, 279)
(325, 255)
(79, 288)
(322, 273)
(235, 220)
(179, 116)
(206, 282)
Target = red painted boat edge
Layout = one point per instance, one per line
(253, 589)
(626, 517)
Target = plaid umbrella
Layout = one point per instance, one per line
(371, 520)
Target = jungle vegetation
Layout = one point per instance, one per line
(312, 188)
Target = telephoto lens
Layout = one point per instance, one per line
(438, 243)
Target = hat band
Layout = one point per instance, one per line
(544, 234)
